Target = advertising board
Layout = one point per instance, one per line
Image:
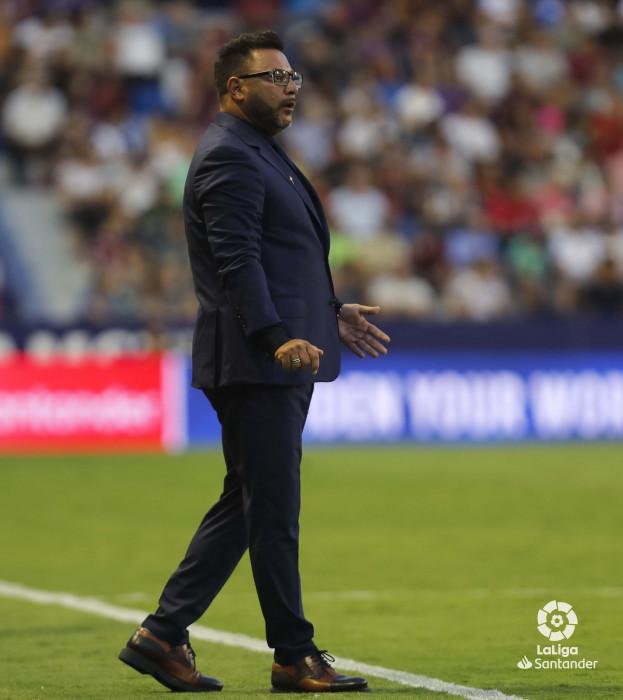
(145, 402)
(458, 397)
(89, 404)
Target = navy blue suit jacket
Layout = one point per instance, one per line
(258, 244)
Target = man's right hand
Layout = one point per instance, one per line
(298, 353)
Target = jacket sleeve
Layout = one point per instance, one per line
(230, 192)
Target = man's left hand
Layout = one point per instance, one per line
(359, 335)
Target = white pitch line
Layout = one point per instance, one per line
(241, 641)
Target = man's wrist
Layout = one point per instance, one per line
(270, 338)
(337, 305)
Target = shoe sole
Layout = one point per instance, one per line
(144, 665)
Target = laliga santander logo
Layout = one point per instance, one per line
(557, 620)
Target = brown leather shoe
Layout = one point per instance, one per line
(173, 666)
(313, 674)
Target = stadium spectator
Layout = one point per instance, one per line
(577, 250)
(478, 292)
(418, 103)
(357, 207)
(33, 114)
(540, 64)
(401, 293)
(471, 134)
(486, 67)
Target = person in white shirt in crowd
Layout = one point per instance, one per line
(33, 116)
(357, 207)
(477, 292)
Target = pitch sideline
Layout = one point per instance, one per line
(94, 606)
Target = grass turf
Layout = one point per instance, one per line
(428, 561)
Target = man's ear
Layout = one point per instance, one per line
(235, 89)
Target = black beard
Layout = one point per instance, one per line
(263, 115)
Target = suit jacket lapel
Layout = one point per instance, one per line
(308, 193)
(300, 184)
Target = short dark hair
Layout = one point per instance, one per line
(232, 57)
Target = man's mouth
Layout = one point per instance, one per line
(289, 104)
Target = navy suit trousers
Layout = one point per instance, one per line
(259, 509)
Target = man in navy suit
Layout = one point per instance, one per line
(269, 326)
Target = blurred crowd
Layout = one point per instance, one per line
(469, 153)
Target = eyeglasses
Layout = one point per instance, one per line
(279, 76)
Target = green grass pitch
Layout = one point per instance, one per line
(432, 561)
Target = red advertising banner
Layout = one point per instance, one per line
(87, 404)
